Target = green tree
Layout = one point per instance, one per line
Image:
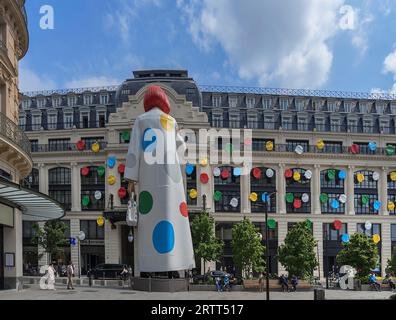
(391, 266)
(51, 238)
(206, 246)
(361, 253)
(248, 251)
(297, 254)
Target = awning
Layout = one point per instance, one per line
(34, 205)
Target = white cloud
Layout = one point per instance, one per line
(32, 81)
(93, 81)
(389, 66)
(284, 43)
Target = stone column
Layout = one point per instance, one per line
(350, 191)
(43, 178)
(383, 191)
(76, 187)
(113, 243)
(75, 255)
(315, 190)
(281, 189)
(386, 245)
(282, 232)
(245, 191)
(318, 235)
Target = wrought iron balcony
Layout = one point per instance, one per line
(59, 147)
(11, 132)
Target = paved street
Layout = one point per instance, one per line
(84, 293)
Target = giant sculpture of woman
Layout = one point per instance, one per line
(164, 236)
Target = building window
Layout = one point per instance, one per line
(250, 102)
(216, 101)
(364, 148)
(191, 182)
(229, 188)
(380, 108)
(34, 145)
(266, 104)
(335, 125)
(353, 125)
(332, 187)
(89, 185)
(233, 102)
(260, 144)
(91, 140)
(56, 102)
(26, 104)
(283, 104)
(88, 98)
(92, 230)
(300, 105)
(331, 234)
(22, 122)
(393, 108)
(84, 118)
(235, 121)
(68, 120)
(368, 126)
(52, 120)
(287, 123)
(217, 120)
(41, 103)
(363, 106)
(331, 147)
(320, 124)
(269, 122)
(104, 99)
(252, 122)
(101, 119)
(302, 123)
(32, 180)
(292, 144)
(36, 122)
(348, 107)
(71, 101)
(391, 192)
(60, 186)
(59, 144)
(366, 193)
(261, 184)
(298, 192)
(384, 126)
(332, 106)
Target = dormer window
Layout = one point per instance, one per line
(252, 122)
(393, 108)
(104, 98)
(335, 125)
(302, 123)
(319, 122)
(216, 101)
(266, 103)
(380, 106)
(233, 102)
(217, 120)
(88, 98)
(353, 125)
(250, 102)
(71, 101)
(368, 126)
(52, 120)
(332, 106)
(26, 104)
(287, 122)
(269, 122)
(363, 106)
(283, 103)
(300, 105)
(56, 102)
(348, 106)
(235, 121)
(41, 103)
(384, 126)
(36, 122)
(68, 120)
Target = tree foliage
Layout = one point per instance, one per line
(51, 238)
(391, 266)
(361, 253)
(206, 246)
(298, 254)
(248, 251)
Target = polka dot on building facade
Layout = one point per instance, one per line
(145, 202)
(184, 209)
(164, 237)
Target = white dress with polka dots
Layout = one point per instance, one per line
(164, 236)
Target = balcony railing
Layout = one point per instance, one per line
(292, 126)
(61, 147)
(13, 133)
(63, 126)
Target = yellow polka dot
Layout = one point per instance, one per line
(167, 122)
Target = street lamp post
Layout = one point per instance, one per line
(267, 249)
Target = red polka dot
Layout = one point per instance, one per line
(204, 178)
(225, 174)
(184, 209)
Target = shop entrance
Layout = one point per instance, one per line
(91, 256)
(127, 248)
(1, 258)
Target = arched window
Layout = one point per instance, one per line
(332, 199)
(298, 190)
(366, 192)
(263, 180)
(59, 185)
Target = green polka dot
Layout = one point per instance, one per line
(145, 202)
(229, 147)
(271, 224)
(217, 196)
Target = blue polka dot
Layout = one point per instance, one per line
(149, 140)
(164, 237)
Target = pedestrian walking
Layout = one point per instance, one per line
(70, 275)
(294, 283)
(124, 275)
(51, 277)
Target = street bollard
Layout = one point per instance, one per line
(319, 294)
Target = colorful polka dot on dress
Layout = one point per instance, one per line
(145, 202)
(164, 237)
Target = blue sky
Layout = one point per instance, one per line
(326, 44)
